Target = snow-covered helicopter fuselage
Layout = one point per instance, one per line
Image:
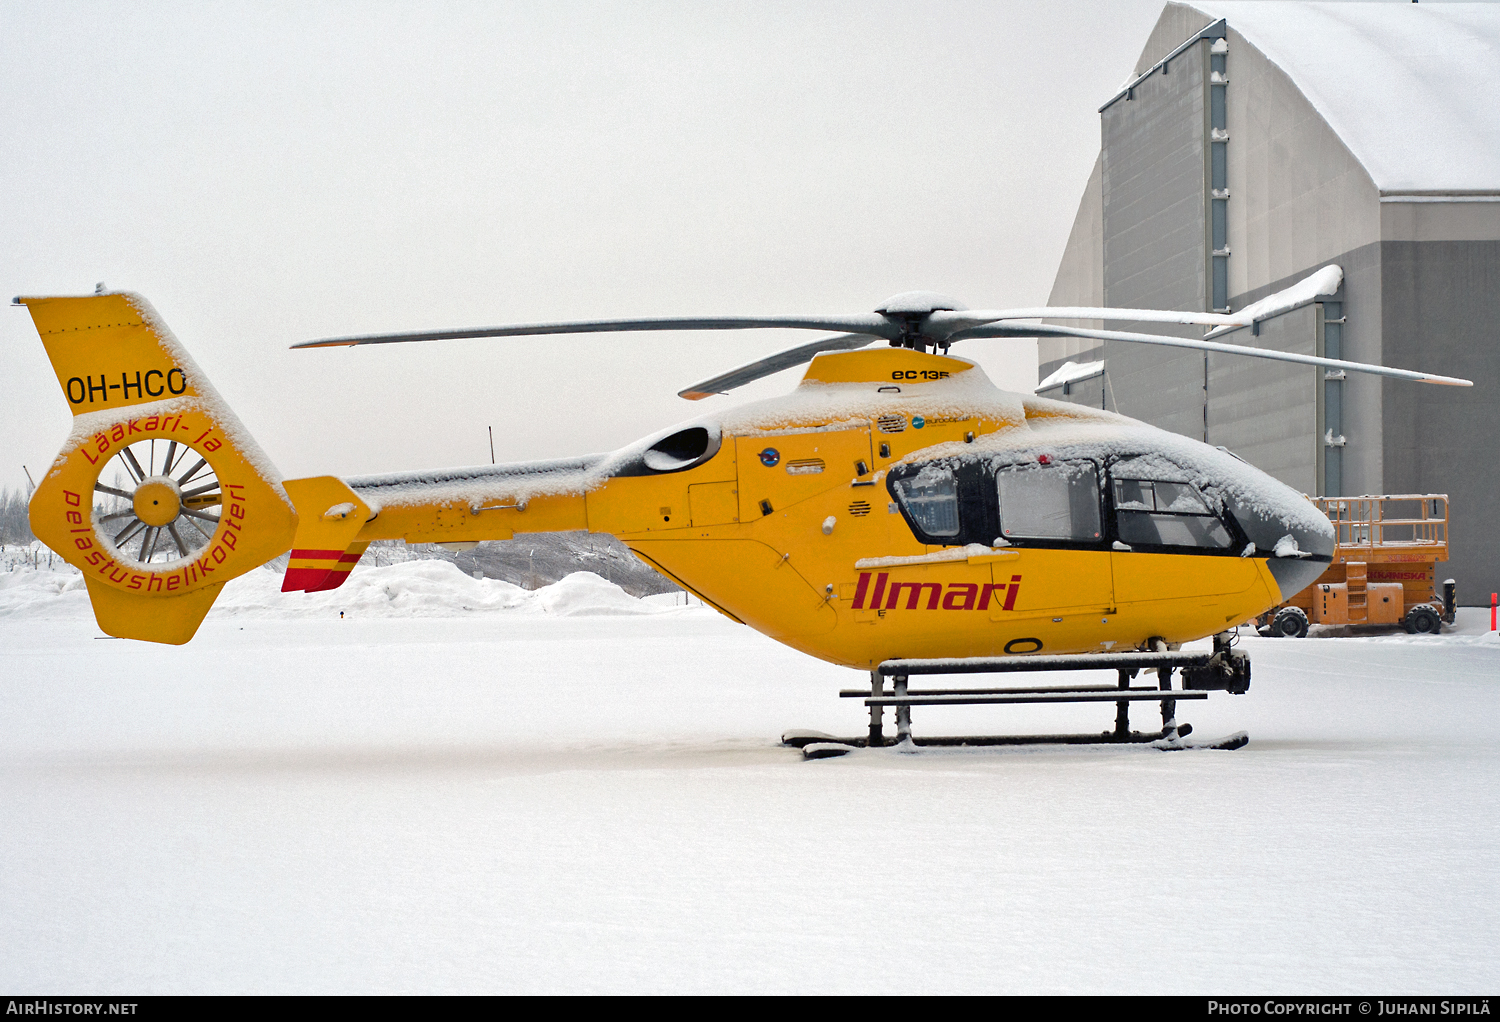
(895, 504)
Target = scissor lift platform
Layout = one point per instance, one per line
(1384, 569)
(1202, 672)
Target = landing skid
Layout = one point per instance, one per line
(1222, 670)
(817, 745)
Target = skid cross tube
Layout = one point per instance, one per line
(1201, 669)
(1126, 695)
(1019, 664)
(859, 693)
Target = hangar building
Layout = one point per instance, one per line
(1256, 143)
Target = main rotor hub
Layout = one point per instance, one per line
(919, 304)
(911, 309)
(157, 501)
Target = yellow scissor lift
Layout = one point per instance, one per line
(1384, 571)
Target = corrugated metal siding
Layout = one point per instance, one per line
(1267, 412)
(1084, 392)
(1154, 238)
(1153, 183)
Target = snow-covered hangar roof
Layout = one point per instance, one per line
(1412, 89)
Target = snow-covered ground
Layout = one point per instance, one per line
(464, 787)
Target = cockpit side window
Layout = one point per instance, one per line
(1163, 512)
(1055, 501)
(930, 499)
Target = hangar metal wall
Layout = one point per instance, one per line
(1268, 412)
(1285, 219)
(1421, 270)
(1439, 315)
(1153, 158)
(1089, 391)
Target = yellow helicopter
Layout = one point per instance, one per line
(895, 505)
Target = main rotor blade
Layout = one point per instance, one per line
(1039, 330)
(1320, 283)
(871, 323)
(774, 363)
(1309, 289)
(947, 325)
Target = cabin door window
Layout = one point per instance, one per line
(1058, 501)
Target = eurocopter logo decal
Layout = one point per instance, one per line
(960, 595)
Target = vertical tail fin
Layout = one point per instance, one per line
(159, 495)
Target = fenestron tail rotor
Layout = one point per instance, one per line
(924, 319)
(161, 502)
(159, 495)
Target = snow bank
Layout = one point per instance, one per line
(43, 593)
(430, 589)
(414, 589)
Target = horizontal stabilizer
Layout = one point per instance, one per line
(329, 517)
(339, 573)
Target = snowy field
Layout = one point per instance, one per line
(464, 787)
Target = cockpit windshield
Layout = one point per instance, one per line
(1155, 511)
(931, 500)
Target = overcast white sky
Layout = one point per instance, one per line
(267, 173)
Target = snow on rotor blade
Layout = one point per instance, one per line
(870, 323)
(752, 371)
(1309, 289)
(1019, 330)
(943, 324)
(1319, 284)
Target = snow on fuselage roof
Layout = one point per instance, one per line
(1409, 88)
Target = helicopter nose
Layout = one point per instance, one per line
(1296, 535)
(1293, 576)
